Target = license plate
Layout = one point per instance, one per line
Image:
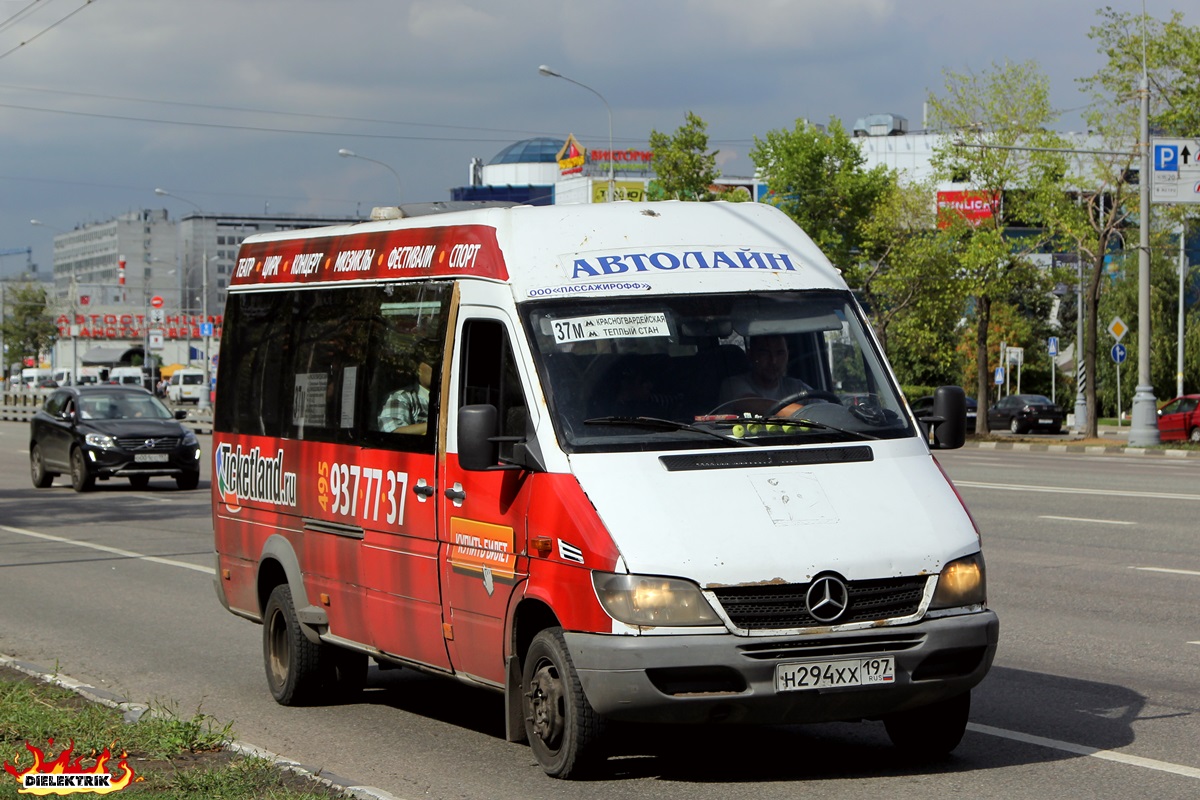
(1045, 422)
(143, 457)
(833, 674)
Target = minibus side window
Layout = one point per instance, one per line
(402, 385)
(255, 347)
(490, 377)
(330, 350)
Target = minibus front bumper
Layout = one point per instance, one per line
(727, 678)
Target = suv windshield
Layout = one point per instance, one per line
(717, 370)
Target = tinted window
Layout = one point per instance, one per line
(334, 364)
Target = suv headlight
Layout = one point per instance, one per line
(189, 438)
(652, 601)
(962, 582)
(100, 440)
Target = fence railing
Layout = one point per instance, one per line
(21, 406)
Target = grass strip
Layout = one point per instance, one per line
(173, 755)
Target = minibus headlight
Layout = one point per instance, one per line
(652, 601)
(100, 440)
(961, 583)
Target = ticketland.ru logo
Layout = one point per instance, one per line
(63, 775)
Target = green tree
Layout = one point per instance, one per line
(905, 279)
(683, 165)
(993, 122)
(820, 180)
(28, 328)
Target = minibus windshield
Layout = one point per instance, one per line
(712, 370)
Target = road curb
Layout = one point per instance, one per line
(134, 711)
(1089, 449)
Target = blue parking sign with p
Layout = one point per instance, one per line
(1166, 158)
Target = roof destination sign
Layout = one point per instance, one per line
(1175, 170)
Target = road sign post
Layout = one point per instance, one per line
(1118, 353)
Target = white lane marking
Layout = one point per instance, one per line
(170, 562)
(1085, 519)
(1016, 487)
(1083, 750)
(1171, 571)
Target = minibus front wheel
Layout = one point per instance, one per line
(562, 727)
(293, 662)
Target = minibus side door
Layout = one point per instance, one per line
(482, 520)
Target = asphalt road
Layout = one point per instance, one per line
(1094, 568)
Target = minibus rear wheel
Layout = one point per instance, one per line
(293, 663)
(562, 727)
(930, 731)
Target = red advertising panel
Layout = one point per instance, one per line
(410, 253)
(974, 207)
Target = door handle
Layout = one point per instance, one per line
(456, 494)
(423, 490)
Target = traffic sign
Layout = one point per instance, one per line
(156, 301)
(206, 329)
(1053, 345)
(156, 339)
(1118, 353)
(1117, 328)
(158, 316)
(999, 379)
(1175, 170)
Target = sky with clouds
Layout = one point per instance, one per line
(240, 106)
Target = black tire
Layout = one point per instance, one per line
(1056, 428)
(187, 480)
(931, 731)
(1194, 436)
(81, 479)
(293, 663)
(1015, 426)
(37, 469)
(562, 727)
(139, 481)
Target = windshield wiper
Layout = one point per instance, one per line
(665, 425)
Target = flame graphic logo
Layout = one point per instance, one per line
(226, 492)
(62, 775)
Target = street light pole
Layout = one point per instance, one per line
(549, 73)
(203, 402)
(344, 153)
(1143, 428)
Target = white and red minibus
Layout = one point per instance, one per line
(639, 462)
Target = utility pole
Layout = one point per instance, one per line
(1143, 429)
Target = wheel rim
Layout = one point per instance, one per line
(1195, 437)
(1014, 426)
(546, 709)
(279, 658)
(78, 470)
(35, 464)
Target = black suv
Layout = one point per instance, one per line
(110, 431)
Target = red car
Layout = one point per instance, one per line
(1179, 420)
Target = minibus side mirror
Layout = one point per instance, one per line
(477, 427)
(949, 420)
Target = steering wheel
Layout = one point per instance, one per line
(803, 397)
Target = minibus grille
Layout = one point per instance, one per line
(783, 606)
(148, 443)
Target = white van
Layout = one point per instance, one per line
(640, 462)
(186, 386)
(32, 376)
(129, 376)
(83, 376)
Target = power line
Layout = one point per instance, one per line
(45, 30)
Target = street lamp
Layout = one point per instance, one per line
(344, 153)
(203, 402)
(549, 73)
